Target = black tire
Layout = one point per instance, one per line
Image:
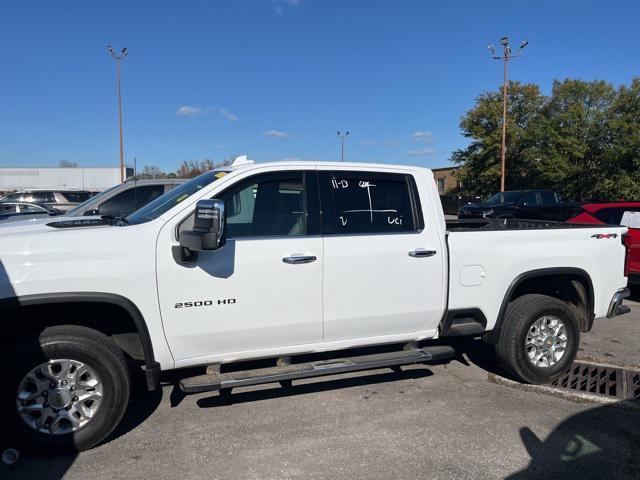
(81, 344)
(519, 317)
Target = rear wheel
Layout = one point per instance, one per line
(539, 338)
(69, 389)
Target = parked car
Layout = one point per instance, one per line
(125, 198)
(525, 204)
(59, 199)
(611, 213)
(274, 261)
(10, 211)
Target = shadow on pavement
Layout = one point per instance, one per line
(141, 406)
(600, 443)
(320, 386)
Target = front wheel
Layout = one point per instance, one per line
(69, 389)
(539, 338)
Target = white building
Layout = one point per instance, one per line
(82, 178)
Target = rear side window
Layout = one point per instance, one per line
(76, 197)
(366, 202)
(613, 215)
(549, 198)
(530, 199)
(8, 208)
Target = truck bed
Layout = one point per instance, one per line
(483, 266)
(495, 224)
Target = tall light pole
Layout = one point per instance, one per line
(342, 137)
(118, 57)
(506, 56)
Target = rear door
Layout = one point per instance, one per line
(383, 266)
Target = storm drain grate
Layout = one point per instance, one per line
(633, 382)
(601, 380)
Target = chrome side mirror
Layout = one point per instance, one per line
(208, 231)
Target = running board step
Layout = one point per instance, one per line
(217, 381)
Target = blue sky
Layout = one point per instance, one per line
(277, 78)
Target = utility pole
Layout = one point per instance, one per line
(342, 137)
(118, 57)
(506, 56)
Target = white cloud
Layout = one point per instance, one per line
(276, 134)
(190, 111)
(422, 136)
(421, 152)
(278, 5)
(228, 115)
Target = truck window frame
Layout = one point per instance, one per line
(327, 201)
(311, 201)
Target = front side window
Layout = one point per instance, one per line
(130, 200)
(267, 206)
(28, 208)
(277, 204)
(366, 202)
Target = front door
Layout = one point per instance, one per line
(383, 267)
(263, 289)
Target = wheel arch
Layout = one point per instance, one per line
(151, 366)
(570, 284)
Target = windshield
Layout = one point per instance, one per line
(165, 202)
(77, 210)
(504, 197)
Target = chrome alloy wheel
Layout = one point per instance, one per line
(546, 341)
(59, 396)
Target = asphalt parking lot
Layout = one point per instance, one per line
(443, 421)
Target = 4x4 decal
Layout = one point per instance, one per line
(604, 235)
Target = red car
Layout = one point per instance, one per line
(611, 213)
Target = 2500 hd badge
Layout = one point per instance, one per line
(205, 303)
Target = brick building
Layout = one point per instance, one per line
(446, 180)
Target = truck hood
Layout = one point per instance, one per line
(49, 224)
(37, 257)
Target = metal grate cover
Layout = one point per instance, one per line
(601, 380)
(633, 384)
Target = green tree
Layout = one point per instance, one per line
(483, 125)
(583, 140)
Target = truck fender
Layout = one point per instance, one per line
(151, 367)
(582, 274)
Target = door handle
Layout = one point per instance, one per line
(296, 259)
(421, 252)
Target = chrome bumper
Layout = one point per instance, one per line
(616, 303)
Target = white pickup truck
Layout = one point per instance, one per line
(272, 261)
